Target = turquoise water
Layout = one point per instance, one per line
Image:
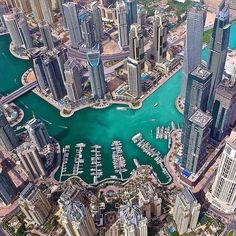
(99, 126)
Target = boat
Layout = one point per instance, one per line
(156, 104)
(121, 108)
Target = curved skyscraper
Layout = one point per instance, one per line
(96, 74)
(218, 49)
(193, 44)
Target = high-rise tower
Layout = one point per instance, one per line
(31, 161)
(8, 138)
(18, 30)
(96, 74)
(46, 34)
(53, 63)
(38, 133)
(223, 194)
(135, 60)
(186, 211)
(159, 37)
(193, 44)
(218, 49)
(73, 80)
(88, 30)
(34, 204)
(7, 188)
(122, 22)
(224, 109)
(131, 6)
(72, 21)
(97, 19)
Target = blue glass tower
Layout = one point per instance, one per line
(96, 74)
(218, 49)
(131, 6)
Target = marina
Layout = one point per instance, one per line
(65, 157)
(118, 160)
(79, 160)
(146, 147)
(151, 151)
(96, 165)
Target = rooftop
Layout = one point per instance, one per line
(201, 118)
(201, 72)
(187, 197)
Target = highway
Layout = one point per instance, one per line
(19, 92)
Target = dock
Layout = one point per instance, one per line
(96, 164)
(147, 148)
(118, 159)
(78, 160)
(65, 157)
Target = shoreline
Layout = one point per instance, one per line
(95, 105)
(15, 54)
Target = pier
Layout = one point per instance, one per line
(118, 160)
(96, 164)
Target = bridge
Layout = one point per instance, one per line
(19, 92)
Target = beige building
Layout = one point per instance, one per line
(149, 200)
(34, 204)
(130, 222)
(186, 211)
(31, 161)
(74, 215)
(223, 195)
(42, 10)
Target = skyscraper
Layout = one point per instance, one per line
(186, 211)
(193, 44)
(136, 43)
(34, 204)
(3, 11)
(97, 19)
(31, 161)
(196, 138)
(46, 7)
(24, 30)
(36, 9)
(54, 70)
(88, 30)
(224, 109)
(197, 91)
(42, 10)
(218, 49)
(122, 22)
(18, 30)
(61, 2)
(24, 5)
(46, 34)
(7, 188)
(8, 138)
(36, 57)
(96, 74)
(159, 37)
(73, 80)
(135, 60)
(141, 15)
(72, 21)
(75, 216)
(130, 222)
(134, 77)
(38, 133)
(131, 6)
(223, 194)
